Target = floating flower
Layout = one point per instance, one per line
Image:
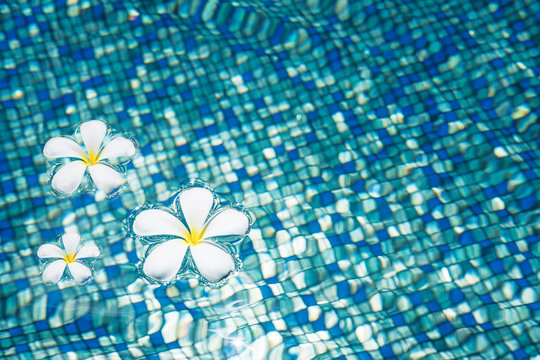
(70, 256)
(97, 156)
(197, 234)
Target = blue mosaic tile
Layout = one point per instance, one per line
(389, 152)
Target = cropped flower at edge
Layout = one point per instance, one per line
(70, 256)
(203, 238)
(95, 157)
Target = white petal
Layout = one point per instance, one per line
(119, 147)
(54, 271)
(88, 250)
(212, 262)
(46, 251)
(68, 178)
(92, 133)
(164, 261)
(71, 242)
(59, 147)
(227, 222)
(158, 222)
(196, 204)
(105, 177)
(79, 271)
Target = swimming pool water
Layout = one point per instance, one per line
(388, 151)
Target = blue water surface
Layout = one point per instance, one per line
(388, 150)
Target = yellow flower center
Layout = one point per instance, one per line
(70, 258)
(194, 237)
(91, 159)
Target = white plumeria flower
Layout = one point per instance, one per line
(69, 256)
(198, 231)
(94, 156)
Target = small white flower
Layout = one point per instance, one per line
(197, 231)
(69, 256)
(94, 156)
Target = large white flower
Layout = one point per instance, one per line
(198, 232)
(68, 256)
(95, 156)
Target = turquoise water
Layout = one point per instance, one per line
(388, 152)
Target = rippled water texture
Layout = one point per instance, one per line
(388, 150)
